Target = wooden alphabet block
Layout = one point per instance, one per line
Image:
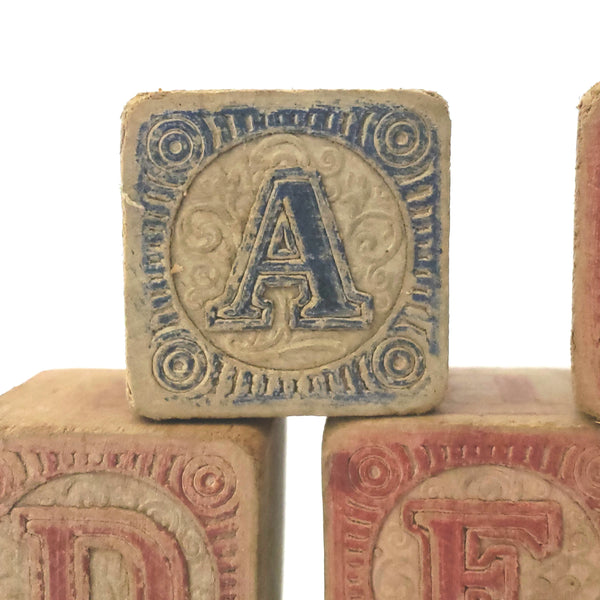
(495, 497)
(98, 505)
(586, 275)
(286, 252)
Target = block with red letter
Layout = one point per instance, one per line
(586, 275)
(96, 504)
(495, 497)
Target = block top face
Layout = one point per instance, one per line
(286, 252)
(586, 274)
(519, 399)
(94, 401)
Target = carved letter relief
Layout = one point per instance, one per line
(286, 253)
(61, 542)
(470, 548)
(291, 241)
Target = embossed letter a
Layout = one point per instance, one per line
(291, 240)
(63, 538)
(470, 548)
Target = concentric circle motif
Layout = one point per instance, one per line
(401, 139)
(587, 472)
(208, 482)
(180, 365)
(175, 143)
(398, 362)
(374, 471)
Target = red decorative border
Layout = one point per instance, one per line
(205, 483)
(365, 483)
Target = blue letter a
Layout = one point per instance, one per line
(291, 240)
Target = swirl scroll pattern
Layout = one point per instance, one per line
(202, 231)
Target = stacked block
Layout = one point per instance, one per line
(97, 504)
(586, 275)
(286, 252)
(496, 496)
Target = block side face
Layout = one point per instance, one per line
(271, 490)
(413, 513)
(286, 253)
(173, 518)
(586, 274)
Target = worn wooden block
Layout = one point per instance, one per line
(495, 497)
(97, 505)
(586, 275)
(286, 252)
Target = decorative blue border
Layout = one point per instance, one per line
(175, 145)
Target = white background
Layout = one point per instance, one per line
(512, 73)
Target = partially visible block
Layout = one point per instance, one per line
(286, 252)
(97, 505)
(495, 497)
(586, 275)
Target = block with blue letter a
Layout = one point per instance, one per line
(286, 252)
